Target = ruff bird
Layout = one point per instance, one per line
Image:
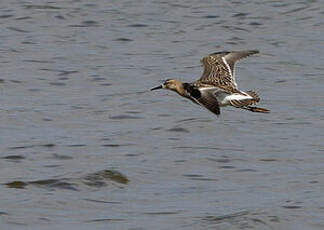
(217, 86)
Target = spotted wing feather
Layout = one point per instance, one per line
(219, 69)
(232, 57)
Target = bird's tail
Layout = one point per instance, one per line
(256, 99)
(255, 96)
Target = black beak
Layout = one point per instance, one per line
(158, 87)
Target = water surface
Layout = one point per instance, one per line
(86, 145)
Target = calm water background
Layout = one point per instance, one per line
(85, 145)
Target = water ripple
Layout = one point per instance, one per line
(98, 179)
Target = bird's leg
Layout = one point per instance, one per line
(256, 109)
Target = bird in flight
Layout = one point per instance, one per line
(217, 86)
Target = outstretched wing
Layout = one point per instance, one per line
(219, 69)
(204, 97)
(209, 101)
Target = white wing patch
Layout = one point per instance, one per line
(238, 97)
(209, 88)
(230, 71)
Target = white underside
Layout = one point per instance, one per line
(237, 97)
(224, 98)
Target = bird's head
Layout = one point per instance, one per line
(171, 84)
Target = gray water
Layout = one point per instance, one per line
(84, 144)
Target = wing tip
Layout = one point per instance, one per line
(247, 52)
(225, 52)
(251, 52)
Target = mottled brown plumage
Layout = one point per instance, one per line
(219, 69)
